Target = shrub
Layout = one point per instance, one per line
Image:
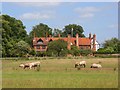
(85, 52)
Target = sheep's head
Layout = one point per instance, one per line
(21, 65)
(76, 65)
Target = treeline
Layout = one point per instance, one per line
(15, 42)
(111, 46)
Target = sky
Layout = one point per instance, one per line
(100, 18)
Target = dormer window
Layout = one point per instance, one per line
(40, 41)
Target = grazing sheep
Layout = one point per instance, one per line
(34, 64)
(76, 64)
(94, 65)
(30, 65)
(24, 66)
(81, 63)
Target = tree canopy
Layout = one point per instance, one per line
(57, 48)
(56, 32)
(21, 48)
(110, 46)
(41, 30)
(73, 29)
(13, 31)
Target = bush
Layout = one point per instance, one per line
(74, 51)
(108, 50)
(85, 52)
(32, 52)
(41, 54)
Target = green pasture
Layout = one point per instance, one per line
(60, 73)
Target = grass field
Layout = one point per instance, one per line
(60, 74)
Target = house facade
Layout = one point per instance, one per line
(40, 43)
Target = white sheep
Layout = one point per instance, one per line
(81, 63)
(94, 65)
(30, 65)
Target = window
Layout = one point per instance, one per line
(38, 47)
(39, 41)
(43, 47)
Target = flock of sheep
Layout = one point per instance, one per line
(31, 65)
(83, 64)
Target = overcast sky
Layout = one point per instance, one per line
(100, 18)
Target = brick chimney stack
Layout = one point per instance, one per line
(90, 36)
(59, 35)
(50, 36)
(69, 42)
(77, 44)
(94, 39)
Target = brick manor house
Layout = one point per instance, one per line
(40, 43)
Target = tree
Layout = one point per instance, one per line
(85, 52)
(13, 31)
(40, 30)
(57, 48)
(21, 48)
(73, 29)
(112, 45)
(74, 50)
(56, 32)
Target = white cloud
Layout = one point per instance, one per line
(37, 15)
(86, 15)
(40, 4)
(86, 9)
(113, 26)
(86, 12)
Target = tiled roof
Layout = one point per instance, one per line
(82, 41)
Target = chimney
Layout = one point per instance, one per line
(69, 42)
(50, 36)
(94, 39)
(59, 35)
(90, 36)
(77, 42)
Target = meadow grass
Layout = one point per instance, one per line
(60, 73)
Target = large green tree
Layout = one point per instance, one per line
(40, 30)
(21, 49)
(57, 48)
(73, 29)
(13, 31)
(112, 44)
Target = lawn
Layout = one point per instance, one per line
(60, 73)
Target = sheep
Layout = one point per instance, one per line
(30, 65)
(81, 63)
(94, 65)
(24, 65)
(76, 64)
(34, 64)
